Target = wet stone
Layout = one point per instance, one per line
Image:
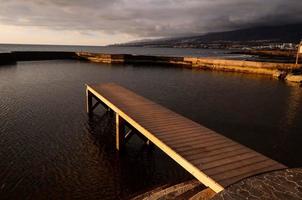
(277, 185)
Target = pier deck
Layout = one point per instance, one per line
(212, 158)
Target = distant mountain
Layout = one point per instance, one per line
(252, 36)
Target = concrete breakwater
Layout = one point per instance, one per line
(270, 53)
(278, 70)
(13, 57)
(43, 55)
(7, 58)
(241, 65)
(129, 58)
(284, 71)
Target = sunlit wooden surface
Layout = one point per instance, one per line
(213, 159)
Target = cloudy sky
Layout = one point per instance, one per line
(101, 22)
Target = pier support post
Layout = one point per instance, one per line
(120, 132)
(88, 102)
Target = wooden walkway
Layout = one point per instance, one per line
(213, 159)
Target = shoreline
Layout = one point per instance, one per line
(282, 71)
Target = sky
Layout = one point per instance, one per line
(103, 22)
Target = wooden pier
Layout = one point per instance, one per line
(213, 159)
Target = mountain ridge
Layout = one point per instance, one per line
(291, 33)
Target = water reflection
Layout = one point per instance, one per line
(50, 149)
(288, 124)
(136, 162)
(293, 105)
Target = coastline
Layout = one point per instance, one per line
(283, 71)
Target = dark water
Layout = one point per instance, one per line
(49, 149)
(128, 50)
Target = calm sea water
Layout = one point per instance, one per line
(127, 50)
(49, 149)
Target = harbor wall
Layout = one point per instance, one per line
(268, 68)
(13, 57)
(278, 70)
(128, 58)
(43, 55)
(7, 58)
(241, 65)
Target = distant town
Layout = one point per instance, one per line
(232, 45)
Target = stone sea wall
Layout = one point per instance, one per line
(284, 71)
(293, 72)
(128, 58)
(13, 57)
(269, 53)
(44, 55)
(7, 58)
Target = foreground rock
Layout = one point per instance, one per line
(278, 185)
(279, 74)
(296, 78)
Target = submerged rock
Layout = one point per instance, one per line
(297, 78)
(279, 74)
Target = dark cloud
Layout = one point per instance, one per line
(149, 18)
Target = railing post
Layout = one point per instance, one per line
(88, 102)
(120, 132)
(299, 52)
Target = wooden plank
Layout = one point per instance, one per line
(169, 121)
(207, 150)
(232, 166)
(167, 133)
(228, 181)
(216, 152)
(180, 139)
(156, 121)
(202, 146)
(225, 161)
(243, 170)
(213, 159)
(193, 144)
(193, 141)
(174, 128)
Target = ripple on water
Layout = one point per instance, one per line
(49, 149)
